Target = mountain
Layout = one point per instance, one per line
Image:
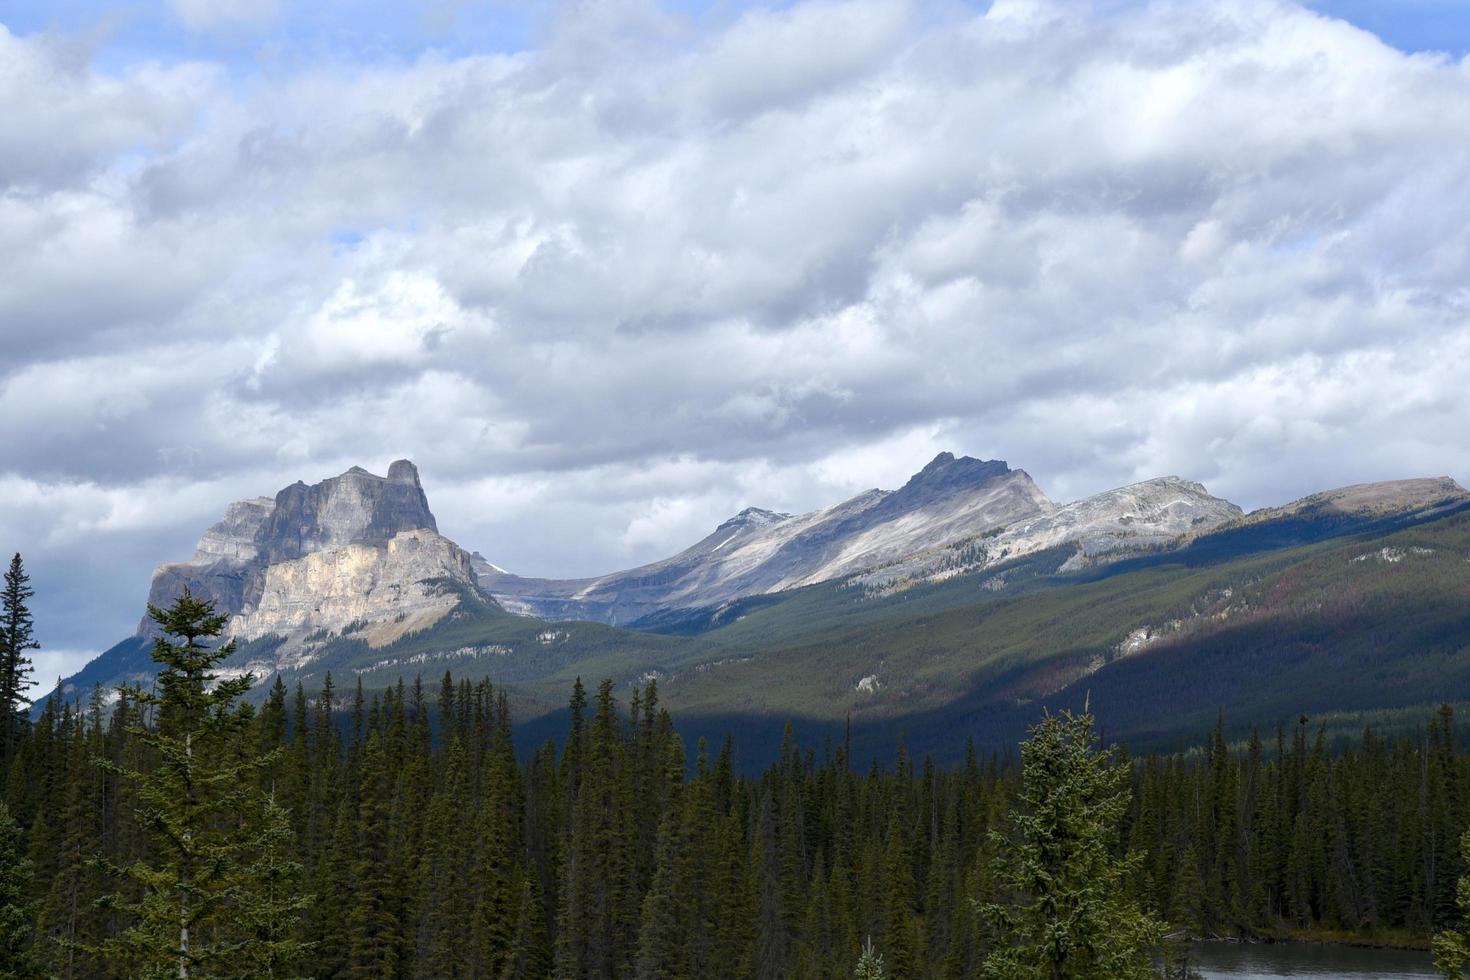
(1364, 500)
(351, 549)
(956, 605)
(1352, 614)
(356, 553)
(1102, 528)
(955, 516)
(762, 551)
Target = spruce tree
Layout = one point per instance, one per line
(1452, 946)
(661, 942)
(271, 899)
(196, 801)
(529, 957)
(1067, 913)
(17, 912)
(870, 964)
(372, 921)
(16, 638)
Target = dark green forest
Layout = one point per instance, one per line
(397, 833)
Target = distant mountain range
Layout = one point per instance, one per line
(983, 507)
(867, 610)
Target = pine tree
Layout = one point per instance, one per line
(898, 886)
(870, 964)
(271, 900)
(16, 637)
(528, 958)
(1452, 946)
(661, 943)
(194, 801)
(1188, 910)
(17, 913)
(1068, 914)
(372, 921)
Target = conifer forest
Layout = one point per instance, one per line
(181, 830)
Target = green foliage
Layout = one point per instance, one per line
(17, 636)
(17, 914)
(196, 908)
(870, 964)
(1452, 945)
(435, 850)
(1066, 911)
(270, 898)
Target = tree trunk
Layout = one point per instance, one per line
(186, 864)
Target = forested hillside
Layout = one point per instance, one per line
(402, 838)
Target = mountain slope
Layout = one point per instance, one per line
(1356, 622)
(955, 516)
(1098, 529)
(761, 551)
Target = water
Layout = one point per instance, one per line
(1262, 961)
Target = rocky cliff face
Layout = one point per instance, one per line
(384, 590)
(354, 508)
(351, 550)
(761, 551)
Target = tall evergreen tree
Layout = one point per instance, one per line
(271, 899)
(1066, 911)
(17, 636)
(870, 964)
(196, 802)
(1452, 946)
(17, 914)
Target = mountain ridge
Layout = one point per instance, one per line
(894, 536)
(761, 551)
(362, 583)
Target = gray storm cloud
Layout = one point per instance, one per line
(610, 291)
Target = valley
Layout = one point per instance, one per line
(964, 602)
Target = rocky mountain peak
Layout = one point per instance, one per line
(948, 472)
(754, 517)
(356, 509)
(950, 467)
(403, 471)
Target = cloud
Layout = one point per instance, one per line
(612, 289)
(65, 122)
(206, 15)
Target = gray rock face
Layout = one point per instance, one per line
(1100, 528)
(760, 551)
(354, 508)
(382, 590)
(234, 558)
(233, 538)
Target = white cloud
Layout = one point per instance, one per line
(609, 291)
(205, 15)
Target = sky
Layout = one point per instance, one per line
(609, 271)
